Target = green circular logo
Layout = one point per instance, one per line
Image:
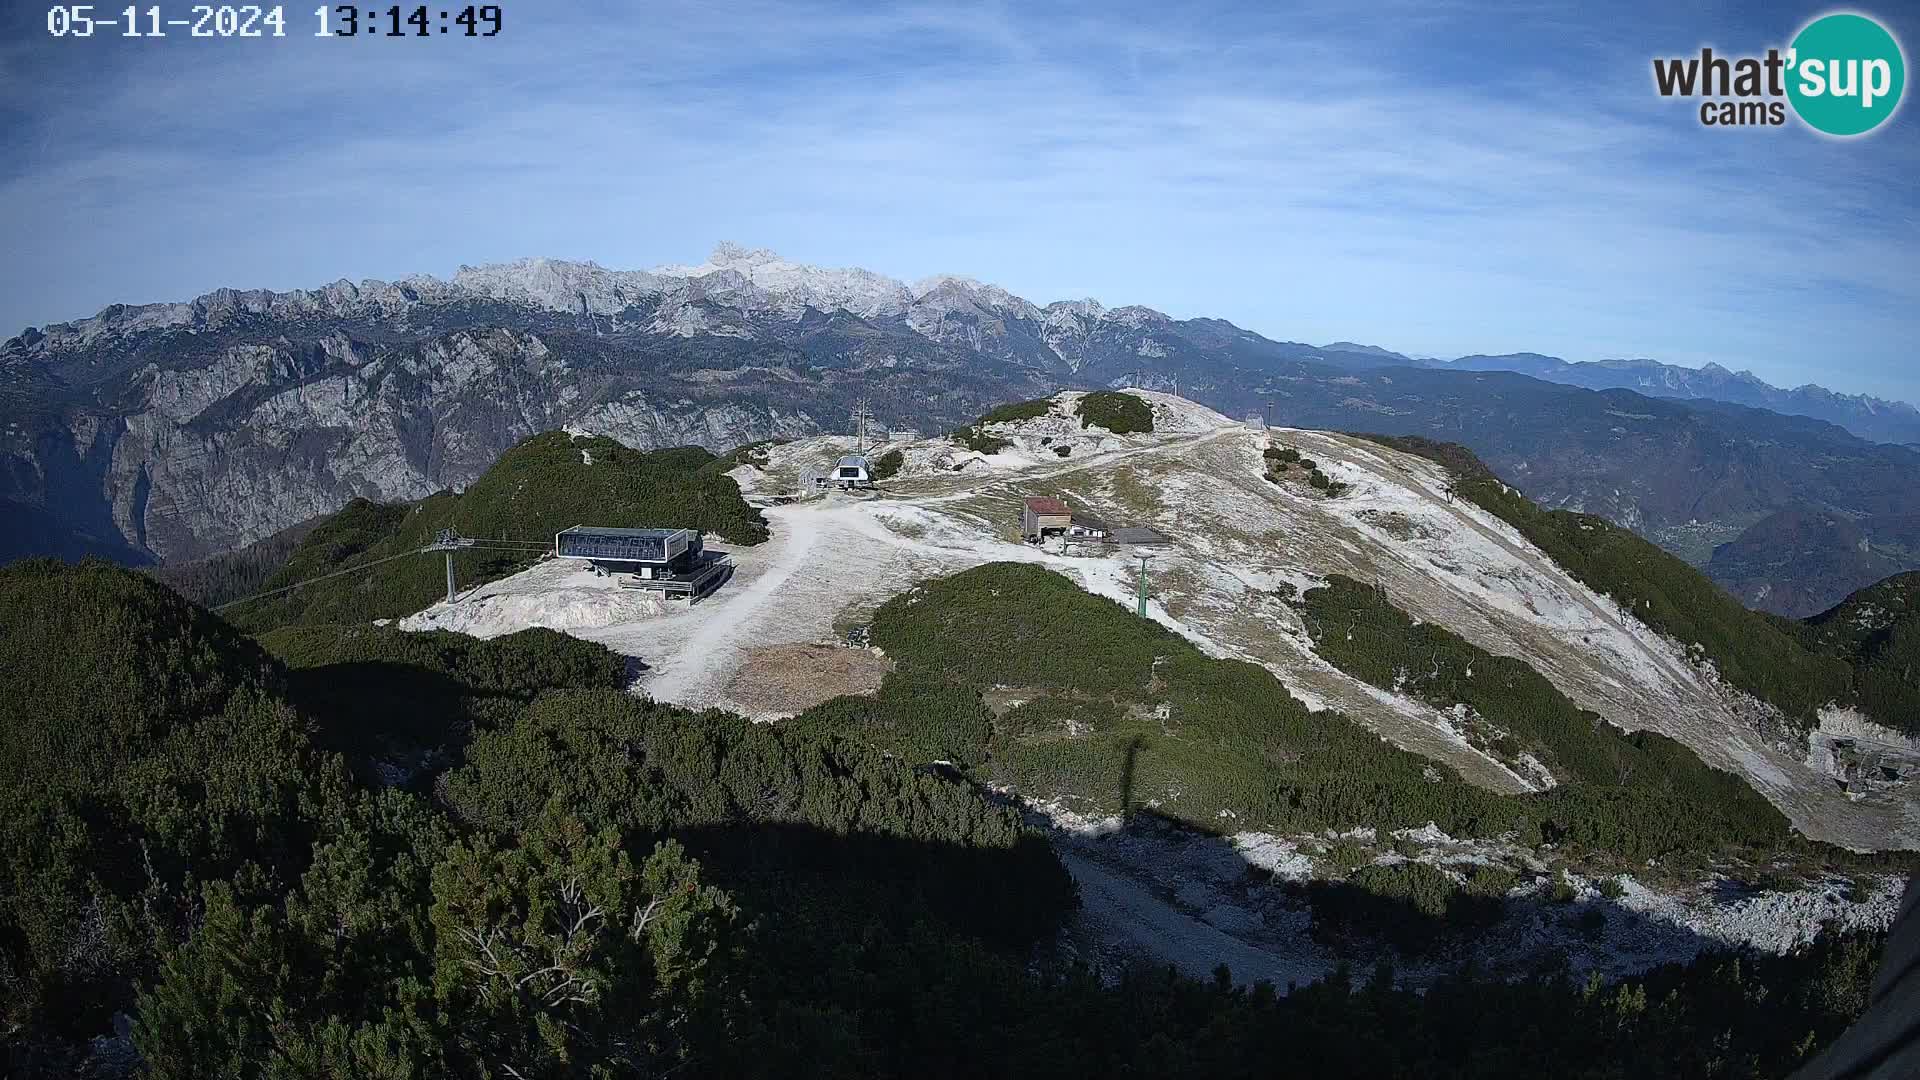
(1845, 74)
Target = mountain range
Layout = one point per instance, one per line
(1877, 419)
(1872, 418)
(168, 432)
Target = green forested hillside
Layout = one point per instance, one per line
(146, 747)
(1877, 631)
(176, 845)
(591, 885)
(1117, 711)
(545, 484)
(376, 694)
(222, 578)
(1016, 411)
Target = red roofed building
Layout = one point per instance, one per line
(1043, 517)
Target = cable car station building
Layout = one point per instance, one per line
(673, 562)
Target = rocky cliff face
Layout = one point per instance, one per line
(172, 431)
(201, 459)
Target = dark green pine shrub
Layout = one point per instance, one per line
(145, 746)
(980, 442)
(380, 694)
(1491, 881)
(1877, 632)
(1320, 481)
(1017, 411)
(1414, 906)
(1120, 413)
(887, 465)
(214, 581)
(650, 770)
(1152, 718)
(1122, 712)
(921, 719)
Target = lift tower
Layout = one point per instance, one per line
(449, 541)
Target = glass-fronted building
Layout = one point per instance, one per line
(672, 561)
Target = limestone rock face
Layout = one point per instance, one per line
(180, 462)
(175, 430)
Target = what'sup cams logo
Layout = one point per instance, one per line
(1843, 75)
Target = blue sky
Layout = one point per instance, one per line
(1439, 178)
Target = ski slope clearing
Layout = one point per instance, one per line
(1241, 546)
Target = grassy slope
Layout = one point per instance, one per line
(1091, 674)
(539, 487)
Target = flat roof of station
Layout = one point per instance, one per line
(639, 534)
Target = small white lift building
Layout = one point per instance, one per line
(852, 471)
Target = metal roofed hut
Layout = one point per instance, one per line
(1044, 516)
(673, 562)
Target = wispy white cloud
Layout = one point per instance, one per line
(1429, 177)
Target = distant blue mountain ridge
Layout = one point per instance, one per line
(1877, 419)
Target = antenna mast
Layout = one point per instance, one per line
(860, 415)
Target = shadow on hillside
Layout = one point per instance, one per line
(1126, 777)
(1007, 896)
(392, 722)
(1215, 896)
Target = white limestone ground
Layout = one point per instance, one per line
(557, 594)
(1241, 542)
